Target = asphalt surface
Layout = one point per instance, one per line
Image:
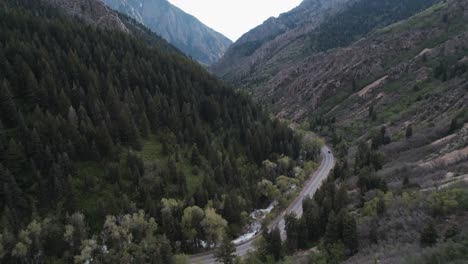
(310, 187)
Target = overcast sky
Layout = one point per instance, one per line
(234, 17)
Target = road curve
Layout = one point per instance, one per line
(310, 187)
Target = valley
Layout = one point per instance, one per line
(130, 132)
(309, 189)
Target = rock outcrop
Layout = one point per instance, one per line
(179, 28)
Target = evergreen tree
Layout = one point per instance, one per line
(312, 218)
(381, 207)
(409, 131)
(292, 232)
(275, 243)
(350, 236)
(372, 114)
(331, 233)
(341, 198)
(225, 253)
(14, 156)
(196, 159)
(8, 111)
(429, 235)
(303, 236)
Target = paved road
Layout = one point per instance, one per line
(310, 187)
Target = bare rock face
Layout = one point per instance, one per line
(92, 11)
(179, 28)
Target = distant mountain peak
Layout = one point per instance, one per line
(179, 28)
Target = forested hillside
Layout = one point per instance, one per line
(97, 125)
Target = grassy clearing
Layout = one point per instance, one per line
(152, 149)
(152, 153)
(424, 18)
(90, 175)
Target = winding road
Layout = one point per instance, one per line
(310, 187)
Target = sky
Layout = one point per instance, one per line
(233, 18)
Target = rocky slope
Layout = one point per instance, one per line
(179, 28)
(276, 36)
(403, 92)
(388, 88)
(315, 26)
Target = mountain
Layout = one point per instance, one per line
(314, 26)
(260, 47)
(115, 147)
(179, 28)
(385, 82)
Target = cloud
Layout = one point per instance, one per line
(234, 17)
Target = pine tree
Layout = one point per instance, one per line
(381, 207)
(14, 197)
(312, 217)
(196, 159)
(303, 236)
(225, 253)
(350, 236)
(372, 114)
(72, 117)
(8, 111)
(429, 235)
(275, 243)
(331, 233)
(292, 224)
(409, 131)
(454, 125)
(341, 198)
(14, 156)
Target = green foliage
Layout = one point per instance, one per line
(409, 131)
(274, 243)
(214, 226)
(331, 231)
(292, 232)
(368, 180)
(350, 235)
(429, 235)
(362, 18)
(381, 207)
(107, 123)
(180, 259)
(225, 252)
(448, 201)
(449, 252)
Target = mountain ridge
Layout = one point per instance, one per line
(181, 29)
(258, 45)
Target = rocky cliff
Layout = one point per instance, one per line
(179, 28)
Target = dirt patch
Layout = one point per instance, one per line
(447, 183)
(447, 159)
(443, 140)
(380, 95)
(424, 51)
(371, 86)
